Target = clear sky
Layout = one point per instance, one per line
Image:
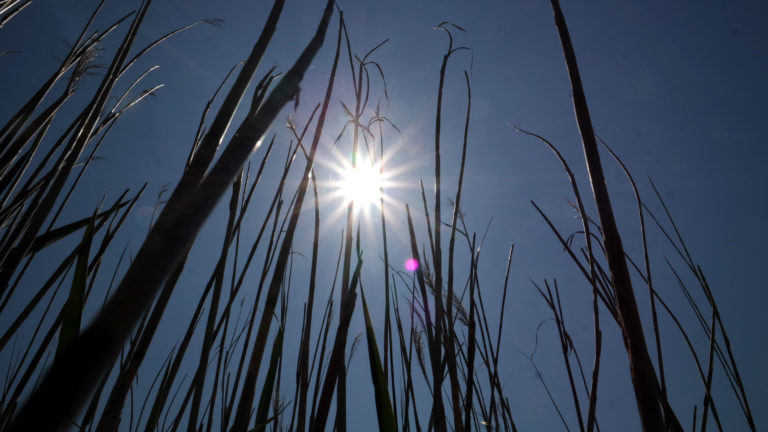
(678, 89)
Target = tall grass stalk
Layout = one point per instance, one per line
(171, 236)
(641, 368)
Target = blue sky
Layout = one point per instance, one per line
(678, 90)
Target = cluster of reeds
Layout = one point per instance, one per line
(438, 365)
(606, 267)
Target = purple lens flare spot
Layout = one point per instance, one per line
(411, 264)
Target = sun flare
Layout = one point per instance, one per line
(361, 184)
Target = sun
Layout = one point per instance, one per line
(361, 184)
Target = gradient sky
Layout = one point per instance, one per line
(678, 89)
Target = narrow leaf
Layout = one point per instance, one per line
(384, 411)
(262, 412)
(73, 308)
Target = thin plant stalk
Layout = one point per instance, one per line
(641, 368)
(173, 233)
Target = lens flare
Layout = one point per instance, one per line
(411, 264)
